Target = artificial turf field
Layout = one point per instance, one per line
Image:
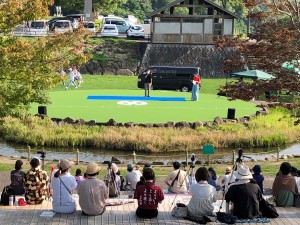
(73, 103)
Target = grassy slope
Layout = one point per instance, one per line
(73, 102)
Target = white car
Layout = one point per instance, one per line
(90, 26)
(62, 26)
(109, 30)
(136, 31)
(38, 28)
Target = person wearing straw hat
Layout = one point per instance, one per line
(227, 179)
(92, 192)
(62, 185)
(244, 195)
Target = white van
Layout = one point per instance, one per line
(38, 28)
(121, 24)
(62, 26)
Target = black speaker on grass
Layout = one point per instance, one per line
(42, 110)
(231, 113)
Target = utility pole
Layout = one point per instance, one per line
(88, 10)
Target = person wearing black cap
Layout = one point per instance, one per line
(176, 180)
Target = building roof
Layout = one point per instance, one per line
(176, 2)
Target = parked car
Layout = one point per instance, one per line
(136, 31)
(147, 21)
(62, 26)
(51, 22)
(121, 24)
(109, 30)
(39, 28)
(90, 26)
(170, 77)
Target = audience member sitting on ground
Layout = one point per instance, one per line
(227, 179)
(244, 195)
(132, 177)
(258, 177)
(36, 183)
(112, 180)
(284, 186)
(78, 176)
(137, 169)
(203, 195)
(92, 192)
(297, 178)
(142, 179)
(176, 180)
(16, 177)
(148, 195)
(62, 185)
(213, 178)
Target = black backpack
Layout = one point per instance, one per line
(7, 191)
(267, 210)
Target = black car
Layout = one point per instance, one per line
(170, 77)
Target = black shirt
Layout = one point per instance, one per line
(16, 177)
(148, 78)
(245, 199)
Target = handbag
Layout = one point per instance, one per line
(297, 200)
(180, 210)
(267, 210)
(226, 218)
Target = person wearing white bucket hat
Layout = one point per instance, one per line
(92, 192)
(244, 195)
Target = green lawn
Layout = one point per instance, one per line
(73, 102)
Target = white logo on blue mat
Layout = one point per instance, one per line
(132, 103)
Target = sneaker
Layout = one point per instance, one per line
(66, 88)
(76, 87)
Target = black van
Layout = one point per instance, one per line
(170, 77)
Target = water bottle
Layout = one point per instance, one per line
(11, 200)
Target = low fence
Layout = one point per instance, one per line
(184, 158)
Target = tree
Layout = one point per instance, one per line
(28, 65)
(273, 42)
(138, 8)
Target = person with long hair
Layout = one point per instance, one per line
(203, 195)
(16, 177)
(62, 185)
(148, 195)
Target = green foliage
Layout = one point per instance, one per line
(28, 65)
(231, 127)
(43, 132)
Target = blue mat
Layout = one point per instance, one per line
(135, 98)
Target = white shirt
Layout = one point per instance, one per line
(63, 202)
(132, 178)
(72, 76)
(298, 183)
(226, 180)
(203, 195)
